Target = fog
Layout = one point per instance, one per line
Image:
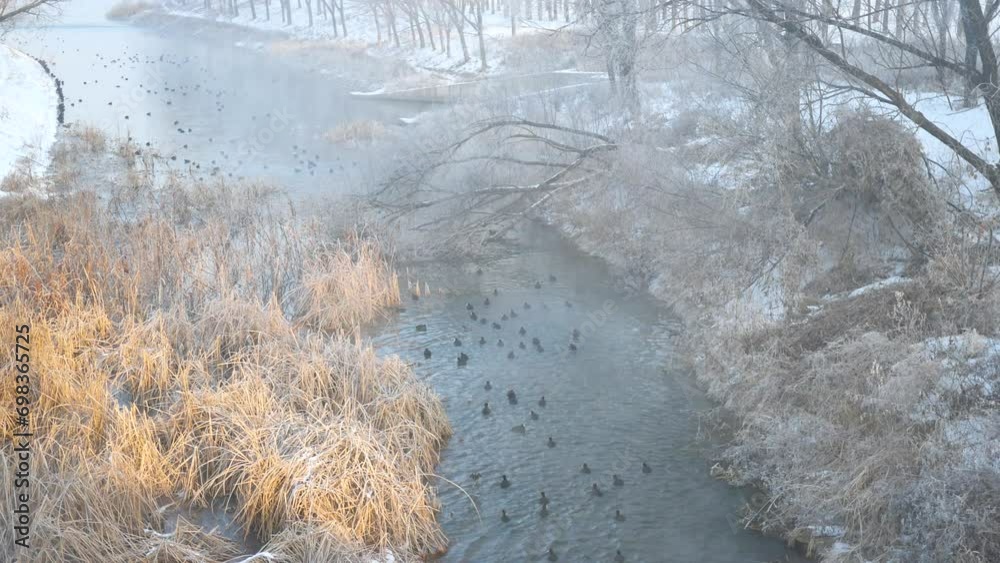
(392, 280)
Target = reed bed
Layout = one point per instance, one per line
(197, 344)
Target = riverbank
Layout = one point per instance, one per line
(196, 393)
(29, 116)
(856, 374)
(431, 49)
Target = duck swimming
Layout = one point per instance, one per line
(500, 343)
(421, 328)
(519, 429)
(596, 491)
(496, 292)
(619, 517)
(512, 397)
(542, 402)
(504, 317)
(486, 409)
(521, 345)
(488, 385)
(552, 278)
(496, 325)
(572, 347)
(538, 285)
(427, 353)
(458, 342)
(486, 301)
(552, 555)
(513, 314)
(504, 517)
(543, 500)
(551, 443)
(526, 306)
(536, 341)
(473, 316)
(576, 335)
(534, 415)
(510, 355)
(504, 483)
(463, 359)
(585, 468)
(619, 558)
(482, 320)
(521, 331)
(479, 271)
(468, 306)
(618, 481)
(646, 468)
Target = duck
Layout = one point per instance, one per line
(538, 285)
(482, 340)
(596, 491)
(526, 306)
(458, 342)
(572, 347)
(504, 517)
(540, 348)
(576, 335)
(500, 342)
(619, 517)
(482, 320)
(551, 443)
(568, 304)
(486, 301)
(475, 476)
(474, 316)
(585, 469)
(479, 271)
(512, 397)
(646, 468)
(513, 313)
(552, 555)
(522, 331)
(534, 415)
(463, 359)
(504, 483)
(543, 500)
(519, 429)
(536, 341)
(496, 325)
(496, 292)
(618, 481)
(542, 402)
(521, 345)
(468, 306)
(427, 353)
(421, 328)
(552, 278)
(619, 558)
(488, 385)
(504, 317)
(510, 355)
(486, 408)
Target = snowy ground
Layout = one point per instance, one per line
(364, 36)
(27, 113)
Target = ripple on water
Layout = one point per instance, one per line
(611, 405)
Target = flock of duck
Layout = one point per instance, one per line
(132, 99)
(481, 315)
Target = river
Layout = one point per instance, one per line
(199, 91)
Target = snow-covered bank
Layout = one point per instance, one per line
(28, 114)
(435, 50)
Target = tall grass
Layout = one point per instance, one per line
(191, 344)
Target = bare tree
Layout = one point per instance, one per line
(910, 45)
(13, 10)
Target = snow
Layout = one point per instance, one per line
(363, 35)
(27, 112)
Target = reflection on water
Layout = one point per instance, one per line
(610, 404)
